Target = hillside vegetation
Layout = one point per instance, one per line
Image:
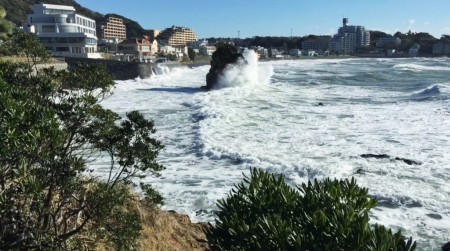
(17, 11)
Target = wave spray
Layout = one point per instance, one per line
(246, 73)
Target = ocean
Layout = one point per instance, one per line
(385, 122)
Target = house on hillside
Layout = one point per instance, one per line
(62, 31)
(207, 50)
(134, 49)
(178, 51)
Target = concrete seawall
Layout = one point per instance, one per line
(126, 70)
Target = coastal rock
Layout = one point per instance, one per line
(386, 156)
(446, 247)
(376, 156)
(224, 55)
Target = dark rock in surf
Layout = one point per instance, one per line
(446, 247)
(360, 171)
(224, 55)
(385, 156)
(376, 156)
(408, 161)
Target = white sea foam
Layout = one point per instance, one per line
(275, 123)
(246, 72)
(419, 67)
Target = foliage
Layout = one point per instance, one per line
(51, 128)
(168, 56)
(151, 196)
(5, 27)
(265, 213)
(26, 45)
(375, 37)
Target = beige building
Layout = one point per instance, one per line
(177, 36)
(139, 49)
(113, 28)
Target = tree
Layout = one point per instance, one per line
(265, 213)
(51, 126)
(445, 38)
(5, 26)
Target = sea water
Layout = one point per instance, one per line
(306, 119)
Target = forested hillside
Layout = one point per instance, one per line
(17, 11)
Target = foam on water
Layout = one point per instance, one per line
(274, 122)
(245, 73)
(419, 67)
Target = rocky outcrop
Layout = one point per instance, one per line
(446, 247)
(224, 55)
(385, 156)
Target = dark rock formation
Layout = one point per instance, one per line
(446, 247)
(385, 156)
(408, 161)
(376, 156)
(224, 55)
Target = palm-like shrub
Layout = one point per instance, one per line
(265, 213)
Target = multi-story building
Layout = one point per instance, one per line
(177, 36)
(112, 29)
(62, 31)
(349, 38)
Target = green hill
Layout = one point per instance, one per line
(17, 11)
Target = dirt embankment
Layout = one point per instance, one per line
(171, 231)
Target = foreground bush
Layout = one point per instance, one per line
(51, 127)
(265, 213)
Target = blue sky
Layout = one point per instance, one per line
(219, 18)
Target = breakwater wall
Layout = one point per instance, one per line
(122, 70)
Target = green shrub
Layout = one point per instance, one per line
(51, 126)
(265, 213)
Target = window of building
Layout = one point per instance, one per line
(61, 40)
(76, 39)
(62, 49)
(48, 28)
(46, 40)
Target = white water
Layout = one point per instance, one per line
(266, 115)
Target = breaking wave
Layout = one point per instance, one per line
(419, 68)
(247, 72)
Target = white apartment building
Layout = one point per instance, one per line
(207, 50)
(62, 31)
(178, 51)
(349, 38)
